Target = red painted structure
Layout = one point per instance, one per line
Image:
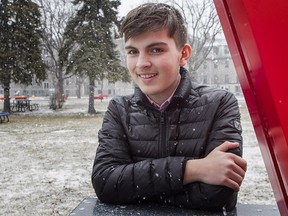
(257, 36)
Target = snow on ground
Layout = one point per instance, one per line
(46, 159)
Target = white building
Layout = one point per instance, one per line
(218, 69)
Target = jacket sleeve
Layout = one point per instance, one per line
(117, 179)
(226, 127)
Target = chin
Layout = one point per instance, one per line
(150, 93)
(149, 90)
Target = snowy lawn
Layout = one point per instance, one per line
(46, 160)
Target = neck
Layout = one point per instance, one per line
(160, 99)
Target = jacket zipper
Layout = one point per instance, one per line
(162, 144)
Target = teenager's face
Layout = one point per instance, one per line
(153, 61)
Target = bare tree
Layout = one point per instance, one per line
(55, 15)
(203, 26)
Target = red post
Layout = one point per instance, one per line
(257, 36)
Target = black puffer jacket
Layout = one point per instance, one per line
(142, 152)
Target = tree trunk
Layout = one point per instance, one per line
(78, 88)
(91, 108)
(101, 88)
(60, 92)
(6, 87)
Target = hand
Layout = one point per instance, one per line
(218, 168)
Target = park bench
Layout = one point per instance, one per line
(93, 207)
(4, 116)
(22, 105)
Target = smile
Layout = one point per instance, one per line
(147, 76)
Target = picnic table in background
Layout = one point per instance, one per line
(22, 103)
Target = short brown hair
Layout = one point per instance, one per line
(152, 17)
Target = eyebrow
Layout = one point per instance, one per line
(150, 45)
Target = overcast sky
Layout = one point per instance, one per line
(127, 5)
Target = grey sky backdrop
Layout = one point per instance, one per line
(127, 5)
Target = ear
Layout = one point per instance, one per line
(186, 53)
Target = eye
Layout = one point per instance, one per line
(156, 50)
(132, 52)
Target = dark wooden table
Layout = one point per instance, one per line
(21, 105)
(93, 207)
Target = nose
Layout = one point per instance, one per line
(143, 61)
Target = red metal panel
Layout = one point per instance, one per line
(257, 34)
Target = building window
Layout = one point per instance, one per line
(46, 85)
(226, 50)
(67, 82)
(216, 50)
(226, 78)
(34, 92)
(226, 63)
(205, 65)
(237, 88)
(34, 82)
(205, 79)
(41, 93)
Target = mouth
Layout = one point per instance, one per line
(147, 76)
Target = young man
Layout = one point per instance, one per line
(172, 141)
